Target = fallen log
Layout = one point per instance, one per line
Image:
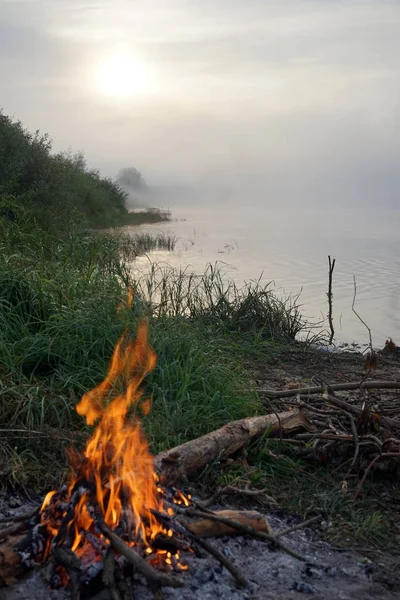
(205, 528)
(180, 462)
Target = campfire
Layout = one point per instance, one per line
(113, 492)
(120, 517)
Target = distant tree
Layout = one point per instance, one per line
(132, 179)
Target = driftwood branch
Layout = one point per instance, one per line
(335, 387)
(181, 461)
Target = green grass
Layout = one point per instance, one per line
(58, 327)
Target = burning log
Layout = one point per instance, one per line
(180, 462)
(153, 577)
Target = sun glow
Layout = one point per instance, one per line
(121, 76)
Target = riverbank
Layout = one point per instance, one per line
(217, 349)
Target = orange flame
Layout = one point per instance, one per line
(117, 467)
(118, 460)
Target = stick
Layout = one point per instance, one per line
(358, 316)
(297, 527)
(152, 576)
(230, 489)
(12, 530)
(356, 411)
(357, 445)
(330, 297)
(245, 529)
(108, 574)
(24, 516)
(336, 387)
(71, 563)
(370, 466)
(234, 571)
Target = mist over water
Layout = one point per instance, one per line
(290, 248)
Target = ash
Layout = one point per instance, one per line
(328, 574)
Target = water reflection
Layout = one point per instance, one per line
(290, 248)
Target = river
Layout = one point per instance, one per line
(290, 248)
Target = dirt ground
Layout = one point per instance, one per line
(302, 368)
(329, 573)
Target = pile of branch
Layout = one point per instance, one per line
(355, 434)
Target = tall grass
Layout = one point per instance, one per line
(213, 298)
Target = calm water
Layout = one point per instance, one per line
(290, 248)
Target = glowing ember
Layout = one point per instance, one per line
(114, 478)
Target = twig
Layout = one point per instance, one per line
(108, 576)
(22, 517)
(12, 530)
(358, 316)
(356, 443)
(245, 529)
(152, 576)
(299, 526)
(71, 563)
(336, 387)
(234, 571)
(230, 489)
(370, 466)
(356, 411)
(330, 297)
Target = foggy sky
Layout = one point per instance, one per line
(270, 100)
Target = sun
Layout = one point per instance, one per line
(121, 76)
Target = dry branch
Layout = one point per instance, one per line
(370, 466)
(234, 571)
(12, 529)
(299, 526)
(356, 410)
(335, 387)
(230, 490)
(181, 461)
(330, 298)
